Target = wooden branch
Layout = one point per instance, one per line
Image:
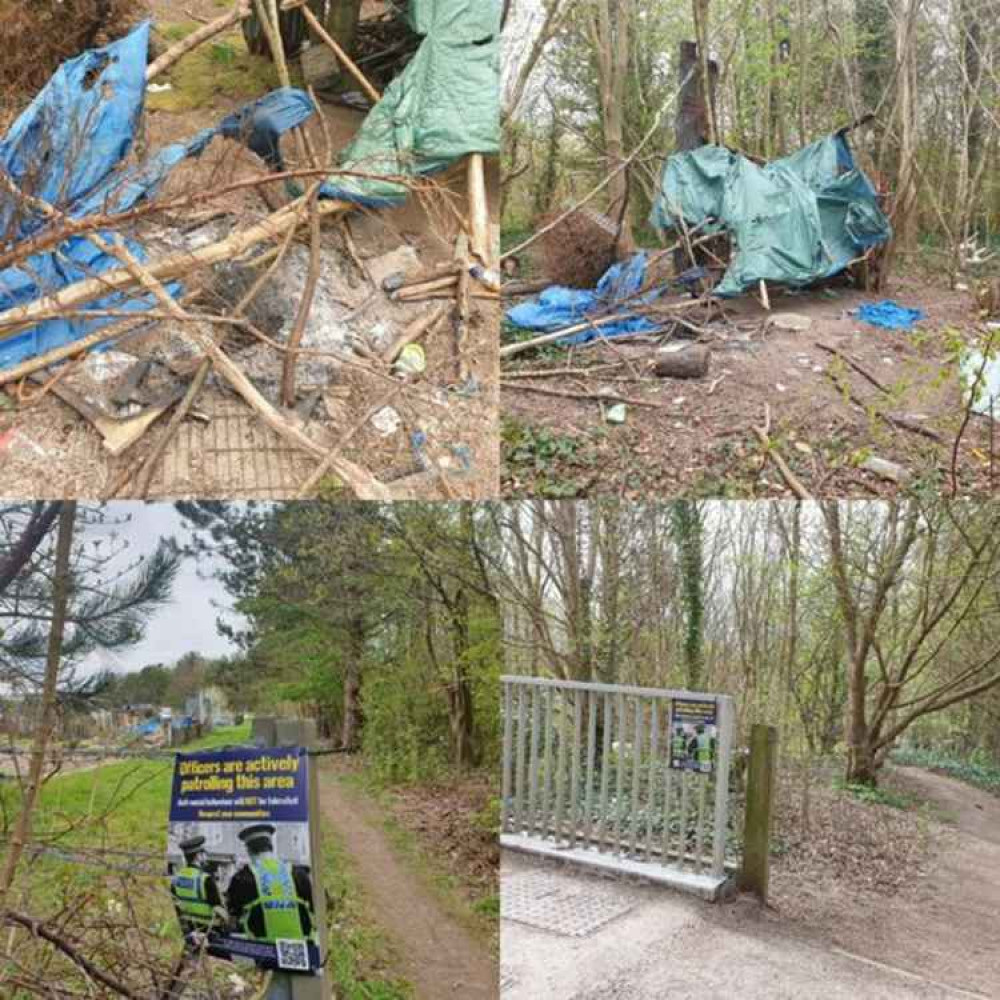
(343, 58)
(305, 307)
(793, 481)
(38, 929)
(196, 38)
(20, 318)
(590, 396)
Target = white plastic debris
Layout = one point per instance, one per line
(411, 360)
(387, 421)
(616, 414)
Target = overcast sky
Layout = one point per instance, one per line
(188, 622)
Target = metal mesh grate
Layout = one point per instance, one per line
(571, 907)
(235, 455)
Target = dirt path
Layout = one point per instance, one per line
(945, 924)
(437, 954)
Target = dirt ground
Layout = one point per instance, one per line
(434, 435)
(437, 953)
(934, 936)
(696, 436)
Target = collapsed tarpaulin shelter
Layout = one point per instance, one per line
(444, 105)
(69, 149)
(794, 220)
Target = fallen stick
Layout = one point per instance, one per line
(596, 397)
(856, 365)
(239, 13)
(145, 474)
(418, 288)
(446, 294)
(901, 422)
(414, 331)
(509, 350)
(20, 318)
(362, 81)
(763, 435)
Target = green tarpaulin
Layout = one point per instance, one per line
(445, 104)
(794, 220)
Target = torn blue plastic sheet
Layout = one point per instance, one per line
(69, 149)
(557, 306)
(890, 315)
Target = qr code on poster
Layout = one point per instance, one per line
(292, 954)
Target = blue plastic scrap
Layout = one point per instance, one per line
(890, 315)
(557, 306)
(69, 148)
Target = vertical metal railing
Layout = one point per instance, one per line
(610, 769)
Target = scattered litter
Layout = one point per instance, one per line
(886, 470)
(890, 315)
(159, 88)
(616, 414)
(411, 360)
(387, 421)
(988, 389)
(780, 387)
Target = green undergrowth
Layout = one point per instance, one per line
(975, 769)
(876, 795)
(222, 67)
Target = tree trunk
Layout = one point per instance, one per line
(350, 734)
(47, 715)
(465, 746)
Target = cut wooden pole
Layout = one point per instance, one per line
(764, 299)
(761, 776)
(479, 210)
(160, 65)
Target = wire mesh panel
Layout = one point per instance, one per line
(633, 779)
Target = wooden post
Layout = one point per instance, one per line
(479, 212)
(284, 986)
(759, 810)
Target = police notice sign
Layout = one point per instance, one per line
(693, 732)
(238, 856)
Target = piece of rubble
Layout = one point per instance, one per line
(401, 261)
(616, 414)
(791, 322)
(885, 469)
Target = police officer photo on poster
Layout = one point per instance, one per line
(238, 856)
(693, 732)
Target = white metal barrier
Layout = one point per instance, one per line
(628, 779)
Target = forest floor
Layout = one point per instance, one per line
(932, 935)
(434, 949)
(696, 436)
(429, 436)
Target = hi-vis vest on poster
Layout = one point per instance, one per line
(188, 886)
(277, 899)
(703, 753)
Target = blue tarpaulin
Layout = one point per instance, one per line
(557, 306)
(70, 148)
(890, 315)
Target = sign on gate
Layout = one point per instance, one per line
(693, 735)
(626, 779)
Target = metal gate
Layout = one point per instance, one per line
(628, 779)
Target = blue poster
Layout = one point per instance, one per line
(239, 856)
(693, 735)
